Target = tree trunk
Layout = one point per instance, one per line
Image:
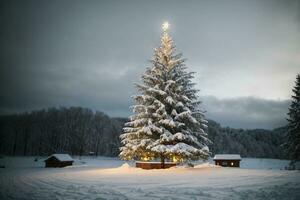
(40, 149)
(15, 142)
(25, 147)
(162, 161)
(97, 146)
(80, 151)
(26, 137)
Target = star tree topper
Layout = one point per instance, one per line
(165, 26)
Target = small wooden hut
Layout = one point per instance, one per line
(227, 160)
(59, 160)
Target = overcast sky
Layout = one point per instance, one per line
(89, 53)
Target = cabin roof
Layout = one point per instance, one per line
(227, 157)
(61, 157)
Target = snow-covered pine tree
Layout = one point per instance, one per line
(167, 122)
(293, 144)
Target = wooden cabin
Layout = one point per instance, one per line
(153, 165)
(59, 160)
(227, 160)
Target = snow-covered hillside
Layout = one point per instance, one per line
(110, 178)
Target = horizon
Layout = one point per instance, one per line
(120, 117)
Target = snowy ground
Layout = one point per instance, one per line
(109, 178)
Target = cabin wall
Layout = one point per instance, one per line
(151, 165)
(56, 163)
(228, 163)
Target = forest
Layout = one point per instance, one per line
(82, 131)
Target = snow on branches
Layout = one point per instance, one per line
(293, 135)
(167, 121)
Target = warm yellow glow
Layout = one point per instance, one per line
(145, 158)
(231, 163)
(165, 26)
(174, 159)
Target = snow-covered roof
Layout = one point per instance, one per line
(227, 157)
(61, 157)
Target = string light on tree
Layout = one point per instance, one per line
(167, 122)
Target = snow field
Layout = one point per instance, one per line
(110, 178)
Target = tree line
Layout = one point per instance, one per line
(254, 143)
(81, 131)
(74, 130)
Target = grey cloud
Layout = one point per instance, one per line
(246, 112)
(78, 53)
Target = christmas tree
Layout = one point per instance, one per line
(167, 122)
(293, 144)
